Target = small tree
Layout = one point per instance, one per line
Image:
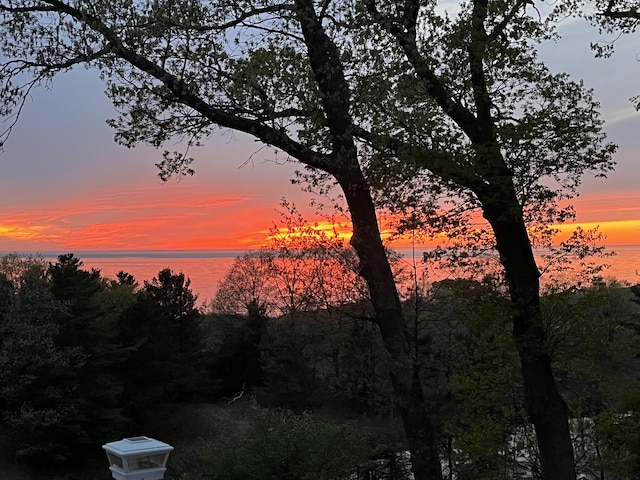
(303, 268)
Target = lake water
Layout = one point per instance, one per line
(207, 268)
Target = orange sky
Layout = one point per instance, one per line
(162, 217)
(187, 216)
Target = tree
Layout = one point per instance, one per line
(357, 92)
(519, 124)
(280, 445)
(176, 303)
(320, 331)
(162, 327)
(39, 407)
(245, 286)
(234, 341)
(94, 306)
(302, 269)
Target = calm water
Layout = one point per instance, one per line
(206, 269)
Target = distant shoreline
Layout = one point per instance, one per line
(135, 253)
(216, 253)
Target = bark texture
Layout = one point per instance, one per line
(405, 377)
(545, 407)
(324, 59)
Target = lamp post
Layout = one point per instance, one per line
(137, 458)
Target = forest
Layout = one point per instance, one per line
(289, 354)
(439, 115)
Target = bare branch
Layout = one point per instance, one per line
(239, 20)
(633, 14)
(50, 67)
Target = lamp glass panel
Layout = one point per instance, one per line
(115, 461)
(146, 461)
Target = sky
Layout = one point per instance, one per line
(66, 186)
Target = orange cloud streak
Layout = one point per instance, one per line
(618, 232)
(146, 219)
(190, 217)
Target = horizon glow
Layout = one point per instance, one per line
(67, 186)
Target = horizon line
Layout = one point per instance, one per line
(196, 253)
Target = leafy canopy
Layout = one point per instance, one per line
(178, 69)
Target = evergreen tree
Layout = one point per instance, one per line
(38, 401)
(163, 327)
(92, 327)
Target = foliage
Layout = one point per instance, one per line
(235, 344)
(39, 405)
(618, 434)
(470, 359)
(294, 354)
(401, 101)
(589, 337)
(162, 327)
(91, 327)
(360, 368)
(471, 372)
(303, 268)
(280, 445)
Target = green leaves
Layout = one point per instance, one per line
(280, 445)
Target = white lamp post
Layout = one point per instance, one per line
(137, 458)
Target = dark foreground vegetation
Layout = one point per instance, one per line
(283, 375)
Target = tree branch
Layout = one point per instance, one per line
(632, 14)
(499, 29)
(242, 17)
(48, 67)
(4, 8)
(326, 65)
(431, 82)
(476, 52)
(438, 162)
(183, 94)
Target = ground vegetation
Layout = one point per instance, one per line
(320, 374)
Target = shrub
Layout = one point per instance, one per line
(281, 445)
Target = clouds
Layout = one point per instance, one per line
(64, 183)
(182, 215)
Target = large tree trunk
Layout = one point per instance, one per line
(405, 378)
(544, 405)
(324, 60)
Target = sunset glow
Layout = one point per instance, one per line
(147, 219)
(617, 232)
(189, 217)
(74, 189)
